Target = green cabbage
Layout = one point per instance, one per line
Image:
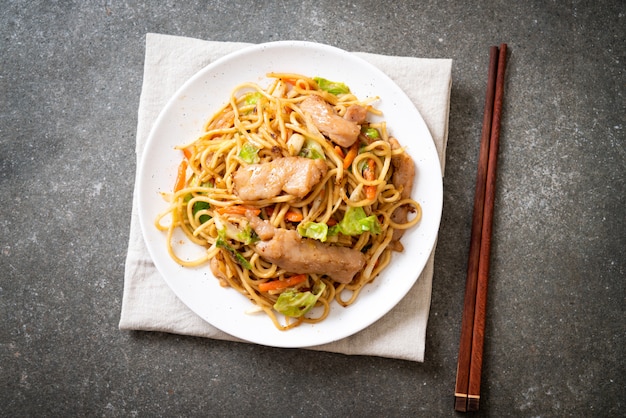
(312, 150)
(253, 98)
(236, 256)
(198, 206)
(247, 235)
(313, 230)
(249, 153)
(333, 87)
(295, 304)
(355, 222)
(371, 133)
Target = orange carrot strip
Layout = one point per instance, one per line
(181, 176)
(369, 174)
(339, 151)
(238, 210)
(282, 284)
(352, 152)
(291, 215)
(291, 81)
(187, 152)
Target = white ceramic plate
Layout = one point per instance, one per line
(182, 120)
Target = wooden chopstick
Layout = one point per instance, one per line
(485, 246)
(469, 305)
(469, 366)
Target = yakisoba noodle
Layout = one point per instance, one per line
(259, 125)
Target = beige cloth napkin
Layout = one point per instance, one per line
(148, 303)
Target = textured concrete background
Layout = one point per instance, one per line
(70, 79)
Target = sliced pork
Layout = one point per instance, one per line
(402, 179)
(293, 175)
(263, 229)
(288, 250)
(341, 131)
(218, 272)
(356, 114)
(403, 170)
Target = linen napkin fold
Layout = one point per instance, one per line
(148, 304)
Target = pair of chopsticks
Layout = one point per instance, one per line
(470, 361)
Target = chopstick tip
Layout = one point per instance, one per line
(472, 403)
(460, 403)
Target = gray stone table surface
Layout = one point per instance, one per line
(70, 81)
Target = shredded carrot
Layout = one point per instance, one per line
(187, 152)
(339, 151)
(370, 192)
(181, 176)
(282, 284)
(291, 215)
(291, 81)
(369, 174)
(238, 210)
(352, 152)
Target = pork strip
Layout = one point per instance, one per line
(402, 178)
(288, 250)
(403, 170)
(341, 131)
(214, 264)
(356, 113)
(294, 175)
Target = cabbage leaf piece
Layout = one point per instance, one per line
(223, 243)
(332, 87)
(294, 303)
(315, 230)
(311, 149)
(356, 222)
(249, 153)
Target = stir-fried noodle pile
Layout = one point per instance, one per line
(297, 197)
